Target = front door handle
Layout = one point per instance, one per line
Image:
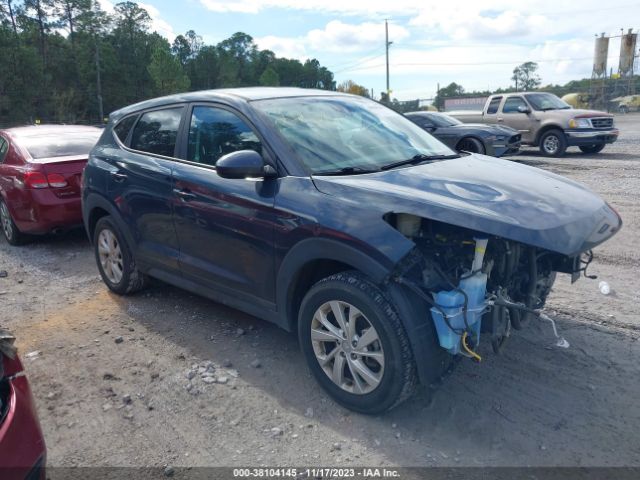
(500, 119)
(119, 176)
(185, 195)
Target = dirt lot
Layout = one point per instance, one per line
(112, 386)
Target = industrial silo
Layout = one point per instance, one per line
(600, 56)
(627, 53)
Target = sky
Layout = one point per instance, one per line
(474, 43)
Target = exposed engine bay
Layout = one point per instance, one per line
(478, 283)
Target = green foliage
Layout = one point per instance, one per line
(269, 78)
(54, 53)
(166, 72)
(525, 77)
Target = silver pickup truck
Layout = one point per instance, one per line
(547, 122)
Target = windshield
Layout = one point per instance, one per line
(546, 101)
(442, 120)
(332, 134)
(61, 144)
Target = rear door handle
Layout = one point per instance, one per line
(500, 119)
(119, 176)
(185, 195)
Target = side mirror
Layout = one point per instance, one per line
(524, 109)
(243, 164)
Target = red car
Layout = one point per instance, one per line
(40, 170)
(22, 449)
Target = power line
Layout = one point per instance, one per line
(462, 64)
(359, 62)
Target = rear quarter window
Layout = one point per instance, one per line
(123, 127)
(4, 148)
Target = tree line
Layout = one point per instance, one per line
(70, 61)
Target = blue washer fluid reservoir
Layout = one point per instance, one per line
(451, 303)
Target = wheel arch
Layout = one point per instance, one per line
(94, 208)
(545, 129)
(311, 260)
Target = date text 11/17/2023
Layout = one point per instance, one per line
(319, 472)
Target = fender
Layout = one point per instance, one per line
(312, 249)
(544, 128)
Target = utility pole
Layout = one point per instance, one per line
(99, 81)
(387, 44)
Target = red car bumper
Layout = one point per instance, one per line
(47, 212)
(22, 447)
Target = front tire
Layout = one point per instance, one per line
(592, 148)
(355, 344)
(553, 143)
(471, 145)
(9, 229)
(116, 264)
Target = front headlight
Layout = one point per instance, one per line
(579, 123)
(501, 138)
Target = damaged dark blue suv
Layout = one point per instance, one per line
(333, 216)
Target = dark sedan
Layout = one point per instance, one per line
(494, 140)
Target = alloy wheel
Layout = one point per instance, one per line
(110, 256)
(5, 218)
(347, 347)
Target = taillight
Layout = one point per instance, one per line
(38, 180)
(56, 180)
(35, 180)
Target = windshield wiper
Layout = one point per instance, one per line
(347, 171)
(416, 159)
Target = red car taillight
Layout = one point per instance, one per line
(38, 180)
(35, 180)
(56, 180)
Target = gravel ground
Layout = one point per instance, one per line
(168, 378)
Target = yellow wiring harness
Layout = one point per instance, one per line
(473, 354)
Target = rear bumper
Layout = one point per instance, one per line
(47, 213)
(22, 447)
(591, 137)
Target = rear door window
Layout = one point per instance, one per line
(511, 105)
(156, 132)
(493, 105)
(215, 132)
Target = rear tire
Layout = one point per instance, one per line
(592, 148)
(9, 229)
(471, 145)
(553, 143)
(116, 264)
(363, 360)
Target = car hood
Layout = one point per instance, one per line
(578, 112)
(491, 129)
(488, 195)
